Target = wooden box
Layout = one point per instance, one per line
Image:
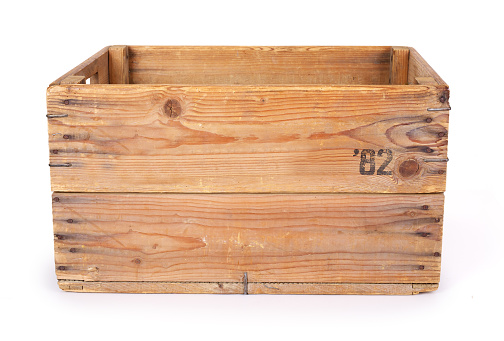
(259, 170)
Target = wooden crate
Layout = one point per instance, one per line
(277, 170)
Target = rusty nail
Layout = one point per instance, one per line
(428, 150)
(59, 236)
(67, 102)
(428, 120)
(61, 267)
(421, 267)
(425, 207)
(424, 234)
(56, 199)
(437, 220)
(66, 137)
(73, 250)
(69, 221)
(137, 261)
(441, 171)
(441, 134)
(437, 254)
(55, 151)
(442, 99)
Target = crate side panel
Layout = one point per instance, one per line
(331, 238)
(134, 138)
(95, 67)
(418, 67)
(241, 65)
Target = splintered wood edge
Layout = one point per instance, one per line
(248, 288)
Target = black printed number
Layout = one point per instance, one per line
(381, 170)
(367, 158)
(368, 164)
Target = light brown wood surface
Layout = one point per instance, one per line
(118, 64)
(399, 59)
(243, 65)
(131, 138)
(261, 170)
(346, 238)
(252, 288)
(74, 80)
(418, 67)
(95, 68)
(425, 81)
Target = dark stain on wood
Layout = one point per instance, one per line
(172, 108)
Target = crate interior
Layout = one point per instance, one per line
(240, 65)
(258, 66)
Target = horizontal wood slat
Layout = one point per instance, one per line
(243, 65)
(133, 138)
(252, 288)
(342, 238)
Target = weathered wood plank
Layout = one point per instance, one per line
(339, 288)
(243, 65)
(102, 74)
(425, 81)
(253, 288)
(74, 80)
(119, 64)
(153, 287)
(342, 238)
(418, 67)
(96, 64)
(130, 138)
(399, 59)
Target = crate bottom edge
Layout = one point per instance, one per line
(303, 288)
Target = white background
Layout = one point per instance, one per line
(461, 40)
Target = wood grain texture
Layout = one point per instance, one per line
(339, 288)
(425, 81)
(74, 80)
(342, 238)
(118, 64)
(418, 67)
(253, 288)
(399, 59)
(243, 65)
(95, 67)
(137, 138)
(153, 287)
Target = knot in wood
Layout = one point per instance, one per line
(409, 168)
(172, 108)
